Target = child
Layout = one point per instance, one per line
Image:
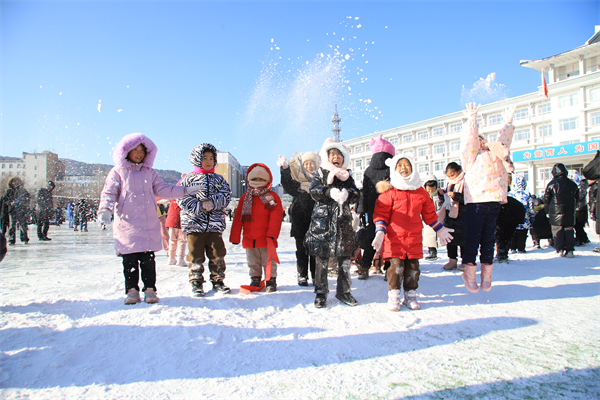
(297, 184)
(260, 217)
(454, 210)
(130, 191)
(203, 219)
(429, 236)
(162, 210)
(486, 183)
(177, 237)
(398, 211)
(330, 234)
(519, 238)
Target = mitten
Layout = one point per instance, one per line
(282, 162)
(444, 235)
(104, 216)
(207, 205)
(378, 241)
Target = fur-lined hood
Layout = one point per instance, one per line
(330, 144)
(130, 142)
(411, 182)
(249, 174)
(198, 154)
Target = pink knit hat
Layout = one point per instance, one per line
(380, 144)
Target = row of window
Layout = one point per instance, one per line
(18, 173)
(17, 166)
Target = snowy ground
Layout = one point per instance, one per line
(65, 333)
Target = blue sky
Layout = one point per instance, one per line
(259, 79)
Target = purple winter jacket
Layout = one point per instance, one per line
(130, 191)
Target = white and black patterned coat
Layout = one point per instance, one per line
(214, 188)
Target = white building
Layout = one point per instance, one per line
(564, 127)
(36, 169)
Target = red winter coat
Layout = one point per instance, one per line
(263, 222)
(173, 218)
(402, 210)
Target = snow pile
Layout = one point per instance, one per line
(65, 332)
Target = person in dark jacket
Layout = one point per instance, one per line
(376, 171)
(581, 211)
(4, 215)
(560, 199)
(512, 214)
(540, 227)
(330, 234)
(3, 248)
(18, 201)
(592, 173)
(297, 184)
(454, 208)
(45, 211)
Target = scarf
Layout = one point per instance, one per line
(411, 182)
(263, 194)
(298, 174)
(449, 204)
(199, 170)
(341, 173)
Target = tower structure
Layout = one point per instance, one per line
(336, 126)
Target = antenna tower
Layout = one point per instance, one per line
(336, 126)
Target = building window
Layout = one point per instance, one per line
(455, 146)
(18, 165)
(423, 168)
(358, 177)
(593, 94)
(495, 119)
(522, 113)
(10, 165)
(567, 100)
(569, 124)
(544, 174)
(35, 175)
(456, 128)
(493, 137)
(438, 131)
(592, 64)
(595, 119)
(422, 151)
(522, 134)
(442, 183)
(422, 135)
(544, 108)
(479, 121)
(407, 138)
(545, 130)
(439, 148)
(35, 168)
(367, 147)
(368, 162)
(358, 164)
(408, 153)
(2, 165)
(438, 166)
(394, 141)
(357, 149)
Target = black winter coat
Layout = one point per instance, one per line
(20, 199)
(375, 172)
(512, 214)
(561, 198)
(540, 227)
(458, 223)
(581, 212)
(330, 233)
(301, 207)
(45, 208)
(592, 172)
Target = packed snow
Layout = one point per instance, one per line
(65, 332)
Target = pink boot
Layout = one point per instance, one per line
(486, 277)
(469, 277)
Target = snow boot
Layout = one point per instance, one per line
(347, 298)
(410, 300)
(181, 262)
(460, 267)
(133, 297)
(596, 249)
(255, 281)
(451, 264)
(197, 288)
(303, 281)
(363, 274)
(432, 254)
(320, 300)
(569, 254)
(150, 296)
(469, 278)
(393, 303)
(172, 261)
(220, 287)
(271, 285)
(486, 277)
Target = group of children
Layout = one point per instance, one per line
(394, 198)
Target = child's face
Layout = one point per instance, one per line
(403, 167)
(309, 165)
(451, 174)
(208, 160)
(258, 182)
(431, 189)
(483, 144)
(137, 155)
(335, 157)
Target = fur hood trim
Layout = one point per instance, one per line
(330, 144)
(411, 182)
(130, 142)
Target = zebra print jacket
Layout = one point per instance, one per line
(216, 189)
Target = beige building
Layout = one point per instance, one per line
(36, 169)
(232, 171)
(563, 127)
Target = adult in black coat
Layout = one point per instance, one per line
(330, 234)
(18, 200)
(45, 210)
(560, 199)
(592, 173)
(581, 211)
(376, 171)
(512, 214)
(297, 184)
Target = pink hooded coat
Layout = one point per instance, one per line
(486, 177)
(130, 191)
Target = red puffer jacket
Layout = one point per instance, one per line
(264, 223)
(402, 210)
(173, 218)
